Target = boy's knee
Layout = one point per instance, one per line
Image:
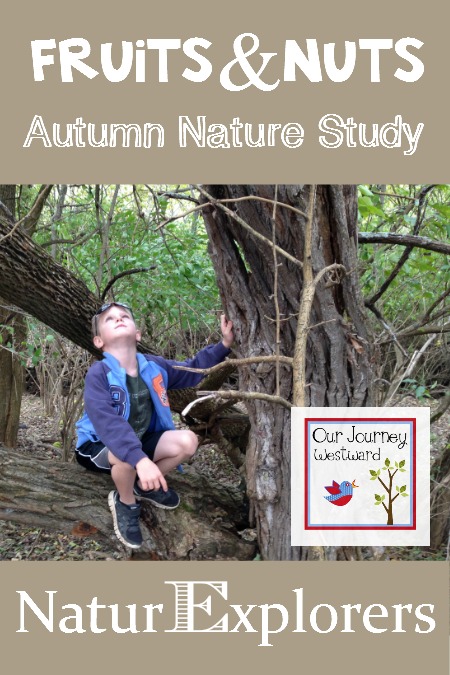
(117, 464)
(188, 443)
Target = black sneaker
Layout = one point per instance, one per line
(126, 521)
(159, 498)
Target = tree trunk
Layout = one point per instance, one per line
(337, 366)
(13, 335)
(440, 501)
(65, 497)
(11, 375)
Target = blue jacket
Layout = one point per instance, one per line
(107, 402)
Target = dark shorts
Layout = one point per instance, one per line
(94, 456)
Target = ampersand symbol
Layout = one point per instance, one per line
(242, 60)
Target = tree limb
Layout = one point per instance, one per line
(246, 226)
(238, 362)
(307, 297)
(403, 240)
(245, 396)
(125, 273)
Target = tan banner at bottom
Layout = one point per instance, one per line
(216, 617)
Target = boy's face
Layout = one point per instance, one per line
(116, 326)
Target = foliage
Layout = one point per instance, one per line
(414, 304)
(425, 274)
(105, 232)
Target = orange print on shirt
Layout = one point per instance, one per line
(158, 385)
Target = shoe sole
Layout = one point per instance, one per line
(157, 504)
(119, 536)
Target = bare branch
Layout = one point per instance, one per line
(380, 317)
(404, 240)
(287, 360)
(408, 250)
(275, 296)
(308, 291)
(408, 371)
(263, 199)
(29, 221)
(126, 273)
(246, 396)
(246, 226)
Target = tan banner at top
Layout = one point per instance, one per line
(150, 92)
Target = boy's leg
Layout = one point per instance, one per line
(122, 503)
(174, 448)
(123, 476)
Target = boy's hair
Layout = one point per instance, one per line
(101, 310)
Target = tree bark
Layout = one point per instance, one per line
(337, 367)
(13, 335)
(440, 501)
(65, 497)
(33, 281)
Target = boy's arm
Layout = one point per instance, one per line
(183, 379)
(206, 358)
(111, 428)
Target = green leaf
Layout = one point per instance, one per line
(387, 462)
(403, 494)
(443, 209)
(402, 463)
(378, 498)
(403, 488)
(372, 472)
(377, 504)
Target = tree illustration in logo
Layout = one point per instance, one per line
(400, 491)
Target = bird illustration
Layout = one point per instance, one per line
(340, 494)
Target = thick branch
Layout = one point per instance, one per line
(403, 240)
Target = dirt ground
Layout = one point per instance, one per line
(38, 435)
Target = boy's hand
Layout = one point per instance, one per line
(150, 476)
(227, 331)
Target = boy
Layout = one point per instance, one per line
(127, 428)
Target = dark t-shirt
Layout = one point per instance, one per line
(141, 406)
